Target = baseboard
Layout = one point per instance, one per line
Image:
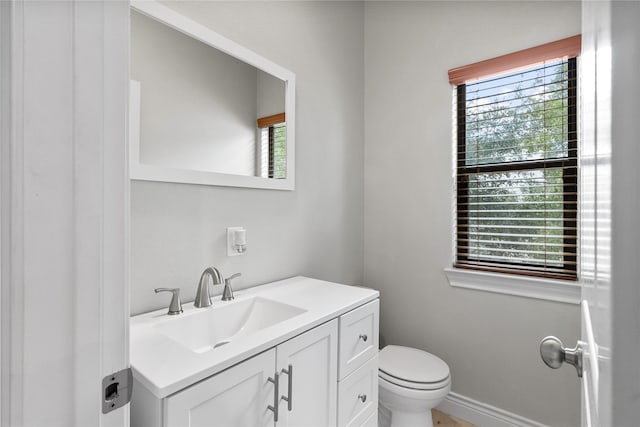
(481, 414)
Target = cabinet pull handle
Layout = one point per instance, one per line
(362, 397)
(276, 393)
(289, 398)
(363, 337)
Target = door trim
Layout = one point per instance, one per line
(64, 209)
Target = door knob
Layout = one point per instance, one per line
(554, 354)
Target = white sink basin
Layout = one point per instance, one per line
(207, 329)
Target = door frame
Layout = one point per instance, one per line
(625, 268)
(64, 209)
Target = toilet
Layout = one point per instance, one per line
(410, 383)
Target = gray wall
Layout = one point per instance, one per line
(490, 341)
(177, 229)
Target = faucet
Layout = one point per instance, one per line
(227, 294)
(175, 307)
(203, 298)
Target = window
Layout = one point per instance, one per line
(273, 147)
(516, 173)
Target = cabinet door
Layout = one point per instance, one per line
(238, 396)
(312, 362)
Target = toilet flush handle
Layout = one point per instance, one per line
(363, 337)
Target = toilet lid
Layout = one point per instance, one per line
(411, 364)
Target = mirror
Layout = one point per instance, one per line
(205, 110)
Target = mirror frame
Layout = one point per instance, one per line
(145, 172)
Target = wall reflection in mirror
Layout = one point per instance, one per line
(201, 109)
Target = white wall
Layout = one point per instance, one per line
(490, 341)
(177, 230)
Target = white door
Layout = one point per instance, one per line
(610, 235)
(239, 396)
(596, 216)
(308, 371)
(592, 355)
(64, 76)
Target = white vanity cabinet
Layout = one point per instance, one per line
(306, 367)
(323, 373)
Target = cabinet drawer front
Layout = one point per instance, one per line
(358, 395)
(358, 337)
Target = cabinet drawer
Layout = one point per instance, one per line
(358, 395)
(358, 337)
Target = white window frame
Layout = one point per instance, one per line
(563, 291)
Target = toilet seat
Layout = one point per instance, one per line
(412, 368)
(412, 384)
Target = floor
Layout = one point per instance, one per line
(441, 419)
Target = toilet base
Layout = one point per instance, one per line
(404, 419)
(409, 407)
(387, 418)
(384, 416)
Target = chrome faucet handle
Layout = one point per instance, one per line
(175, 307)
(203, 297)
(227, 294)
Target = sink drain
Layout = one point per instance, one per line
(220, 344)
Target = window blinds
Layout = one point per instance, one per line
(517, 171)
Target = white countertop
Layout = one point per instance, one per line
(164, 366)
